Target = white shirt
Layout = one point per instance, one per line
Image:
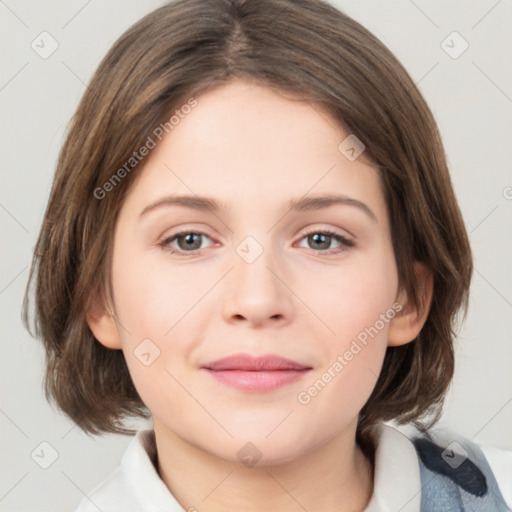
(135, 485)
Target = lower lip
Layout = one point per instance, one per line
(257, 380)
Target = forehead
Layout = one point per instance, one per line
(247, 144)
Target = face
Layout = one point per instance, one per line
(261, 313)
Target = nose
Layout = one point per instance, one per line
(256, 290)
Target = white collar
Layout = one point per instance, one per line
(397, 482)
(138, 466)
(136, 485)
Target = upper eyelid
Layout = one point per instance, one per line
(187, 231)
(329, 231)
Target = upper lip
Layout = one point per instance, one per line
(245, 362)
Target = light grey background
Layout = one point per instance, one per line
(471, 97)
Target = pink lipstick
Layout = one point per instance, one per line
(257, 374)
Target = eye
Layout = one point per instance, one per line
(187, 241)
(322, 240)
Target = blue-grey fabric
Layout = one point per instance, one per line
(455, 476)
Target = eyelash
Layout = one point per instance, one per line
(345, 242)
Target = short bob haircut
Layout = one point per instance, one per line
(306, 48)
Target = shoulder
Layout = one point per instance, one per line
(437, 470)
(500, 461)
(135, 485)
(457, 469)
(110, 495)
(114, 493)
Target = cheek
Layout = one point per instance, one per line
(152, 297)
(352, 360)
(358, 300)
(156, 307)
(358, 308)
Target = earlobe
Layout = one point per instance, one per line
(407, 324)
(103, 325)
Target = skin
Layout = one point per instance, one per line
(253, 150)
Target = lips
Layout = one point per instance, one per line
(257, 374)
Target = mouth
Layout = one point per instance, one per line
(257, 374)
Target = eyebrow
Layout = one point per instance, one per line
(303, 204)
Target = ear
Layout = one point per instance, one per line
(408, 322)
(100, 319)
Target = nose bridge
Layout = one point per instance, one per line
(254, 291)
(254, 259)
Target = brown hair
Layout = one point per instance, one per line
(304, 47)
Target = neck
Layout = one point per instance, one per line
(334, 477)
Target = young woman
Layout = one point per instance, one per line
(252, 238)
